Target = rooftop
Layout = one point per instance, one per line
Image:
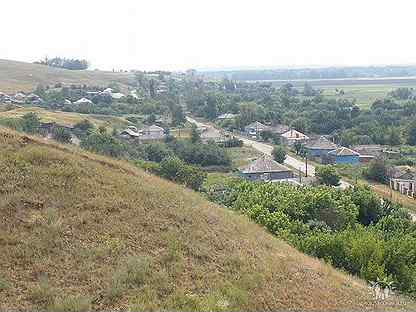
(321, 143)
(343, 151)
(264, 164)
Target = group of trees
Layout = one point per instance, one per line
(66, 63)
(353, 230)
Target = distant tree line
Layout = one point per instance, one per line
(66, 63)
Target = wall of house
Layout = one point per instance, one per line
(349, 160)
(281, 175)
(317, 152)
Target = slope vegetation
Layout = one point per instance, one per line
(80, 231)
(20, 76)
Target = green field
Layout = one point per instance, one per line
(364, 95)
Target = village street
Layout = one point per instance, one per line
(267, 149)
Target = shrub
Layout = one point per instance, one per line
(279, 154)
(377, 171)
(176, 170)
(71, 304)
(62, 135)
(43, 294)
(327, 175)
(30, 123)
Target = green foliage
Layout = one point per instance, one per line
(279, 154)
(157, 151)
(30, 123)
(103, 143)
(411, 133)
(62, 135)
(327, 175)
(377, 171)
(352, 229)
(176, 170)
(195, 137)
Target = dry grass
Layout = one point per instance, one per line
(65, 118)
(20, 76)
(80, 231)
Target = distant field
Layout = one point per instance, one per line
(65, 118)
(20, 76)
(364, 91)
(364, 95)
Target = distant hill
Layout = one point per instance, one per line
(20, 76)
(80, 231)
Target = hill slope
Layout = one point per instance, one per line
(20, 76)
(81, 231)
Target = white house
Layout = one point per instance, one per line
(83, 101)
(292, 136)
(403, 180)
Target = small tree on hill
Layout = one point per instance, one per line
(377, 171)
(30, 123)
(327, 175)
(195, 136)
(279, 154)
(62, 135)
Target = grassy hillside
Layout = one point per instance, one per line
(80, 231)
(66, 118)
(20, 76)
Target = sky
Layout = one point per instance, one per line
(183, 34)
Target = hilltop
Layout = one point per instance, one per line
(20, 76)
(81, 231)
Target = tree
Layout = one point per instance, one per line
(393, 136)
(376, 171)
(156, 152)
(62, 135)
(279, 154)
(411, 133)
(327, 175)
(30, 123)
(174, 169)
(195, 136)
(103, 143)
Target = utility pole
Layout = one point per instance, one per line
(306, 166)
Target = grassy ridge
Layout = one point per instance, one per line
(81, 231)
(20, 76)
(66, 118)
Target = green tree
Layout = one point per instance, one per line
(195, 136)
(157, 152)
(411, 133)
(279, 154)
(327, 175)
(30, 122)
(62, 135)
(377, 171)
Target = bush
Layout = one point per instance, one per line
(157, 152)
(279, 154)
(103, 143)
(233, 142)
(71, 304)
(327, 175)
(376, 171)
(30, 123)
(62, 135)
(176, 170)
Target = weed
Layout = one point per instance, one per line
(71, 304)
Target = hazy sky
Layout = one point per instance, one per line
(181, 34)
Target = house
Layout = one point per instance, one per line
(152, 133)
(117, 96)
(266, 169)
(19, 96)
(227, 116)
(344, 155)
(292, 136)
(403, 180)
(129, 133)
(320, 147)
(83, 101)
(254, 129)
